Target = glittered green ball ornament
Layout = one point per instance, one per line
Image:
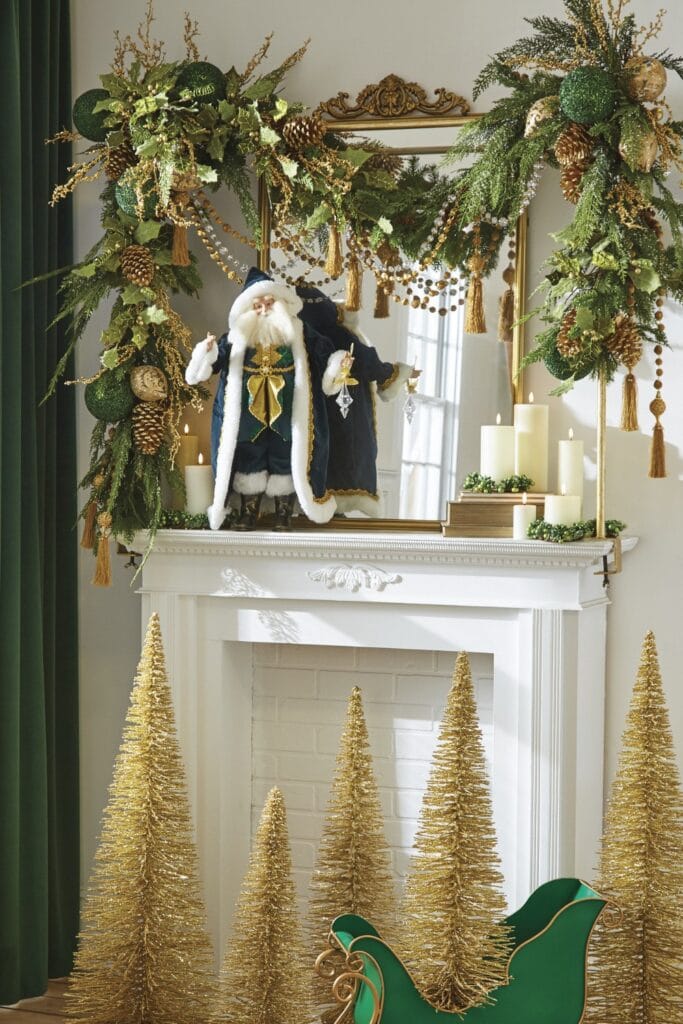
(110, 397)
(127, 200)
(559, 367)
(588, 95)
(91, 126)
(202, 82)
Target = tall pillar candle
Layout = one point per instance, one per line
(497, 457)
(531, 443)
(198, 487)
(570, 467)
(189, 447)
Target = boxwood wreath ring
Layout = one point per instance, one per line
(163, 132)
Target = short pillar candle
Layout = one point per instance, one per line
(570, 467)
(522, 517)
(531, 443)
(562, 509)
(198, 487)
(497, 458)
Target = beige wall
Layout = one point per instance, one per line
(355, 42)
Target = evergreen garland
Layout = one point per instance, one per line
(478, 484)
(557, 534)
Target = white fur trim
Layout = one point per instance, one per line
(200, 366)
(245, 300)
(317, 511)
(250, 483)
(216, 516)
(331, 382)
(389, 393)
(279, 484)
(365, 503)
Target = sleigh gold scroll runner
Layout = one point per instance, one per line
(467, 378)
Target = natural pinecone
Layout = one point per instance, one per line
(385, 160)
(625, 343)
(304, 131)
(137, 265)
(570, 181)
(566, 346)
(149, 421)
(574, 145)
(119, 160)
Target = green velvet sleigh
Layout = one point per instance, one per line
(546, 971)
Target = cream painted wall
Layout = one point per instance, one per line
(353, 43)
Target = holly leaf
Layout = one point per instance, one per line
(139, 335)
(357, 157)
(290, 167)
(110, 359)
(584, 319)
(206, 173)
(85, 270)
(320, 215)
(131, 295)
(216, 146)
(386, 225)
(281, 108)
(268, 136)
(226, 110)
(108, 104)
(148, 148)
(147, 230)
(646, 279)
(261, 88)
(153, 315)
(232, 82)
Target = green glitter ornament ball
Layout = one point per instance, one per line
(126, 196)
(91, 126)
(559, 367)
(110, 397)
(202, 82)
(588, 95)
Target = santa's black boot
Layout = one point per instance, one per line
(248, 514)
(284, 506)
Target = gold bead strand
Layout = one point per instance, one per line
(657, 405)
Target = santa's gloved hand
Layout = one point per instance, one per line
(204, 355)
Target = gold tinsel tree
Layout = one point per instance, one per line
(144, 955)
(454, 942)
(265, 978)
(636, 965)
(353, 870)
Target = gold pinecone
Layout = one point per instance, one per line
(119, 159)
(300, 132)
(570, 181)
(385, 160)
(137, 265)
(566, 346)
(149, 423)
(625, 343)
(574, 145)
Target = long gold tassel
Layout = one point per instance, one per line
(354, 282)
(629, 403)
(506, 308)
(335, 260)
(381, 311)
(102, 577)
(657, 449)
(180, 254)
(89, 519)
(475, 321)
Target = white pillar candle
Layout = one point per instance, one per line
(497, 458)
(562, 509)
(522, 517)
(189, 447)
(531, 443)
(198, 487)
(570, 467)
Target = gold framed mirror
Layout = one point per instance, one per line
(467, 380)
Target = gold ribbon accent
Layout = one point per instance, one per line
(265, 384)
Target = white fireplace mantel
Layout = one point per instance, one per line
(539, 609)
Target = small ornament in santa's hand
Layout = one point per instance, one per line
(90, 125)
(646, 78)
(344, 400)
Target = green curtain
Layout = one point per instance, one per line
(39, 826)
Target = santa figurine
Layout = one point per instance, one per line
(269, 430)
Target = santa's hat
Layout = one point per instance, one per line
(259, 283)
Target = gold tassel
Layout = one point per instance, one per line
(506, 308)
(354, 282)
(381, 311)
(334, 264)
(88, 538)
(475, 322)
(629, 403)
(180, 254)
(102, 577)
(657, 449)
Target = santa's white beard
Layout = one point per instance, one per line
(273, 328)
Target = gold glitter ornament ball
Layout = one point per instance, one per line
(539, 112)
(646, 79)
(149, 383)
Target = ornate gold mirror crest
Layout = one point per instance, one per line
(386, 111)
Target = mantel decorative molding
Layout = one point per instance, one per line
(394, 97)
(354, 577)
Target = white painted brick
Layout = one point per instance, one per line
(317, 712)
(266, 654)
(400, 833)
(299, 796)
(264, 709)
(264, 765)
(328, 737)
(303, 854)
(287, 736)
(398, 716)
(411, 774)
(422, 689)
(415, 745)
(401, 859)
(407, 803)
(297, 682)
(376, 686)
(305, 767)
(301, 656)
(480, 664)
(303, 825)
